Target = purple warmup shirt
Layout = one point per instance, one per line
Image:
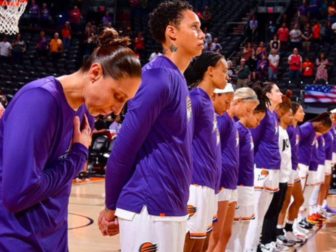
(230, 151)
(206, 151)
(266, 146)
(37, 166)
(318, 154)
(150, 164)
(307, 137)
(294, 138)
(328, 138)
(246, 156)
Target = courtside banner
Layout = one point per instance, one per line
(320, 94)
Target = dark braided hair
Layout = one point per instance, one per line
(167, 13)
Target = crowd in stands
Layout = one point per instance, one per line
(301, 41)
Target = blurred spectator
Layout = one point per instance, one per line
(107, 20)
(275, 44)
(273, 64)
(116, 125)
(332, 12)
(154, 55)
(34, 13)
(231, 72)
(207, 16)
(322, 64)
(262, 67)
(45, 16)
(316, 36)
(89, 44)
(243, 74)
(303, 11)
(42, 46)
(56, 47)
(19, 48)
(261, 50)
(283, 34)
(89, 29)
(253, 28)
(308, 71)
(295, 66)
(139, 44)
(75, 18)
(215, 46)
(248, 50)
(252, 64)
(66, 35)
(3, 103)
(208, 37)
(295, 37)
(271, 30)
(5, 50)
(307, 36)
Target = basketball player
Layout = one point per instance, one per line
(44, 139)
(227, 196)
(267, 160)
(208, 71)
(245, 202)
(149, 171)
(268, 234)
(308, 132)
(294, 184)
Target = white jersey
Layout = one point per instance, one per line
(286, 155)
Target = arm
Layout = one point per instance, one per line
(143, 111)
(257, 134)
(29, 134)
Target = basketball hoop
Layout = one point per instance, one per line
(10, 13)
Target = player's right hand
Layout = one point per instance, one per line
(83, 136)
(108, 223)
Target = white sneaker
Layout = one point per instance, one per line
(292, 237)
(268, 247)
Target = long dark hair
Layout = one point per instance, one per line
(263, 99)
(198, 67)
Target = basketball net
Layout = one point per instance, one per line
(10, 13)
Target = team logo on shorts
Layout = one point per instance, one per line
(263, 174)
(191, 210)
(148, 247)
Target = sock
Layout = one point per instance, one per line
(279, 231)
(324, 205)
(289, 226)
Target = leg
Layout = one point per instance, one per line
(297, 202)
(262, 201)
(226, 231)
(271, 218)
(282, 215)
(219, 225)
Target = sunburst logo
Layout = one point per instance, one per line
(191, 210)
(148, 247)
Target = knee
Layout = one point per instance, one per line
(215, 235)
(227, 232)
(299, 201)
